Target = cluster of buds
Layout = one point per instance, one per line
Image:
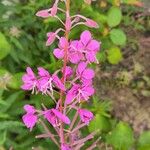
(74, 84)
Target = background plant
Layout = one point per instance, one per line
(26, 50)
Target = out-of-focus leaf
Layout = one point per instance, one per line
(99, 123)
(10, 100)
(144, 141)
(4, 46)
(16, 81)
(114, 55)
(118, 37)
(2, 137)
(10, 124)
(121, 137)
(114, 16)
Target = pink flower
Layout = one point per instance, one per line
(30, 118)
(68, 22)
(83, 72)
(59, 52)
(90, 46)
(91, 23)
(54, 10)
(43, 13)
(79, 92)
(68, 72)
(46, 81)
(51, 37)
(54, 116)
(65, 147)
(85, 115)
(29, 80)
(75, 52)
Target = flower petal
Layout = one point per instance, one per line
(58, 53)
(85, 37)
(43, 13)
(43, 72)
(61, 116)
(88, 74)
(81, 67)
(29, 120)
(58, 82)
(29, 108)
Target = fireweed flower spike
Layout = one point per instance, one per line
(73, 82)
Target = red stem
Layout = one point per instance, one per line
(62, 140)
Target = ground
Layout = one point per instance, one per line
(127, 85)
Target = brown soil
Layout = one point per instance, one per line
(128, 103)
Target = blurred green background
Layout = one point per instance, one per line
(122, 82)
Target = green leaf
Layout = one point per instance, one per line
(10, 124)
(121, 137)
(114, 16)
(10, 100)
(2, 137)
(16, 81)
(144, 141)
(118, 37)
(100, 123)
(4, 46)
(114, 55)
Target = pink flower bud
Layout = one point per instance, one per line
(51, 37)
(54, 10)
(68, 24)
(85, 115)
(43, 13)
(91, 23)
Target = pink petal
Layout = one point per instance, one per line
(43, 13)
(43, 72)
(69, 72)
(29, 120)
(51, 117)
(29, 109)
(91, 23)
(89, 90)
(30, 72)
(62, 43)
(75, 57)
(91, 57)
(85, 37)
(68, 24)
(58, 82)
(61, 116)
(65, 147)
(88, 74)
(27, 86)
(71, 94)
(85, 115)
(51, 37)
(58, 53)
(81, 67)
(93, 46)
(54, 10)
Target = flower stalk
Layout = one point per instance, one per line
(72, 52)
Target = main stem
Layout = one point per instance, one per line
(65, 60)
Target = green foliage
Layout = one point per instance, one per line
(121, 137)
(118, 37)
(144, 141)
(114, 16)
(4, 46)
(114, 55)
